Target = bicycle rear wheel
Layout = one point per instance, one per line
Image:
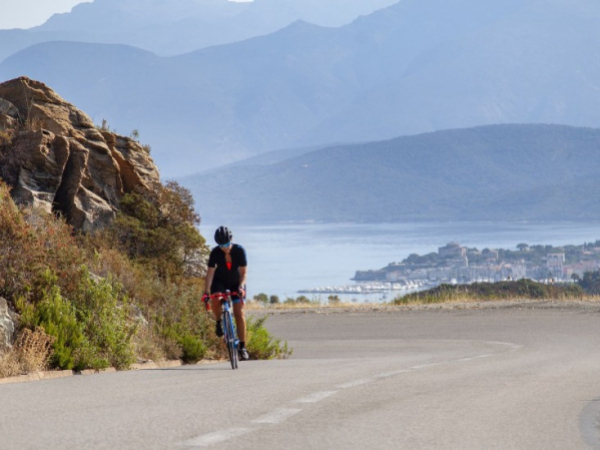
(230, 339)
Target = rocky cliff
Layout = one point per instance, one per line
(55, 158)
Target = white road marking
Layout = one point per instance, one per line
(427, 366)
(216, 437)
(355, 383)
(472, 358)
(393, 373)
(316, 397)
(277, 416)
(513, 347)
(280, 415)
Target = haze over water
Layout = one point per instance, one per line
(286, 258)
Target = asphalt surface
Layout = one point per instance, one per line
(512, 377)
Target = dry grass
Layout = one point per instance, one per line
(504, 290)
(29, 354)
(148, 346)
(7, 137)
(256, 306)
(35, 124)
(457, 301)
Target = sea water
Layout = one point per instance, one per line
(284, 259)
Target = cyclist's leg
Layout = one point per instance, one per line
(216, 303)
(240, 319)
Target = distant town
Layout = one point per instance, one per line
(454, 263)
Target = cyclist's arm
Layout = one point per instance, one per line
(210, 273)
(242, 270)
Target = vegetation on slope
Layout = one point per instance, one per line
(505, 290)
(129, 292)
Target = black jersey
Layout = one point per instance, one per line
(227, 274)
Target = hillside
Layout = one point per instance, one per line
(501, 172)
(417, 66)
(102, 264)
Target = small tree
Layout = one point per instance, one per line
(273, 299)
(261, 298)
(591, 282)
(159, 229)
(334, 300)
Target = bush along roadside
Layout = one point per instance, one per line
(261, 345)
(127, 293)
(505, 290)
(91, 332)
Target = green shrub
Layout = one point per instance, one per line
(504, 290)
(193, 349)
(91, 332)
(57, 317)
(102, 309)
(260, 344)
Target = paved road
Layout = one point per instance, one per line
(509, 378)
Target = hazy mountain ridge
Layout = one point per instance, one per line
(508, 172)
(414, 67)
(170, 27)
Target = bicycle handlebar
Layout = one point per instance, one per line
(219, 296)
(223, 296)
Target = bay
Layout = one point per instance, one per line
(284, 259)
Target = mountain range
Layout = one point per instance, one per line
(171, 27)
(416, 66)
(498, 172)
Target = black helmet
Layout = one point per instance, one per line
(223, 235)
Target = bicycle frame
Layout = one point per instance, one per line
(229, 329)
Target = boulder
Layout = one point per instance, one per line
(8, 325)
(59, 161)
(135, 164)
(38, 160)
(9, 115)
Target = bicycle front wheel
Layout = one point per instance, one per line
(230, 339)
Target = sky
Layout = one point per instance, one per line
(30, 13)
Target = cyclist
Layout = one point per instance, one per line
(227, 266)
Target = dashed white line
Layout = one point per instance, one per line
(427, 366)
(513, 347)
(216, 437)
(280, 415)
(472, 358)
(355, 383)
(277, 416)
(393, 373)
(316, 397)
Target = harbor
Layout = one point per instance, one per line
(369, 288)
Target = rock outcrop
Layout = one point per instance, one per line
(8, 325)
(54, 158)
